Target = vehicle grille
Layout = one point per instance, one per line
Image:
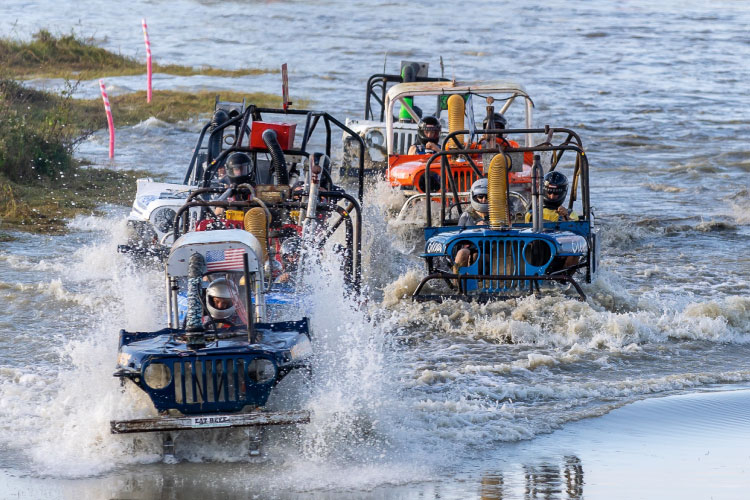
(464, 179)
(508, 257)
(402, 141)
(210, 381)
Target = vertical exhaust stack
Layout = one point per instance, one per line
(308, 225)
(194, 318)
(456, 108)
(256, 223)
(537, 174)
(497, 191)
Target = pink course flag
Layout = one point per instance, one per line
(148, 60)
(285, 87)
(110, 123)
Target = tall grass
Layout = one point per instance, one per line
(70, 56)
(36, 136)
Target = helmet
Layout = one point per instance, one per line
(555, 189)
(498, 121)
(219, 289)
(429, 130)
(238, 167)
(479, 188)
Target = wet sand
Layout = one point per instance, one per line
(686, 446)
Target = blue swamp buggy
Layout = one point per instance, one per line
(510, 256)
(201, 377)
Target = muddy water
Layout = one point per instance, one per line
(411, 400)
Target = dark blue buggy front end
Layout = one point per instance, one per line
(226, 376)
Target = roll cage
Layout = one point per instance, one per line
(244, 123)
(521, 255)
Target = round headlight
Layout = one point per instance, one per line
(374, 138)
(261, 370)
(157, 375)
(162, 219)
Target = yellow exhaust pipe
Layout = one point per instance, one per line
(256, 224)
(456, 108)
(497, 191)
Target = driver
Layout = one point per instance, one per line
(222, 312)
(499, 122)
(290, 251)
(428, 137)
(554, 192)
(476, 215)
(239, 168)
(238, 171)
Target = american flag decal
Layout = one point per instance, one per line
(224, 260)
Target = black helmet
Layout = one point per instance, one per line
(555, 189)
(429, 125)
(238, 167)
(498, 121)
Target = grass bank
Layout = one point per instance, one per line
(41, 184)
(73, 57)
(46, 206)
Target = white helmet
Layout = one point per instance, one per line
(219, 288)
(479, 188)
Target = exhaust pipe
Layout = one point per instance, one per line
(497, 191)
(456, 108)
(194, 326)
(537, 174)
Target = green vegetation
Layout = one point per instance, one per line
(166, 105)
(70, 57)
(46, 205)
(41, 184)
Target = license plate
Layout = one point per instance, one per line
(198, 422)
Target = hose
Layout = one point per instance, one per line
(497, 191)
(256, 224)
(277, 157)
(456, 108)
(214, 140)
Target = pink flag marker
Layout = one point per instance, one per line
(148, 60)
(110, 123)
(285, 87)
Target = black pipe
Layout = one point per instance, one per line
(358, 233)
(277, 157)
(196, 150)
(214, 140)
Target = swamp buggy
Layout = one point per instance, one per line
(468, 106)
(511, 256)
(200, 377)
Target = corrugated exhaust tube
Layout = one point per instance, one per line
(256, 224)
(497, 191)
(456, 108)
